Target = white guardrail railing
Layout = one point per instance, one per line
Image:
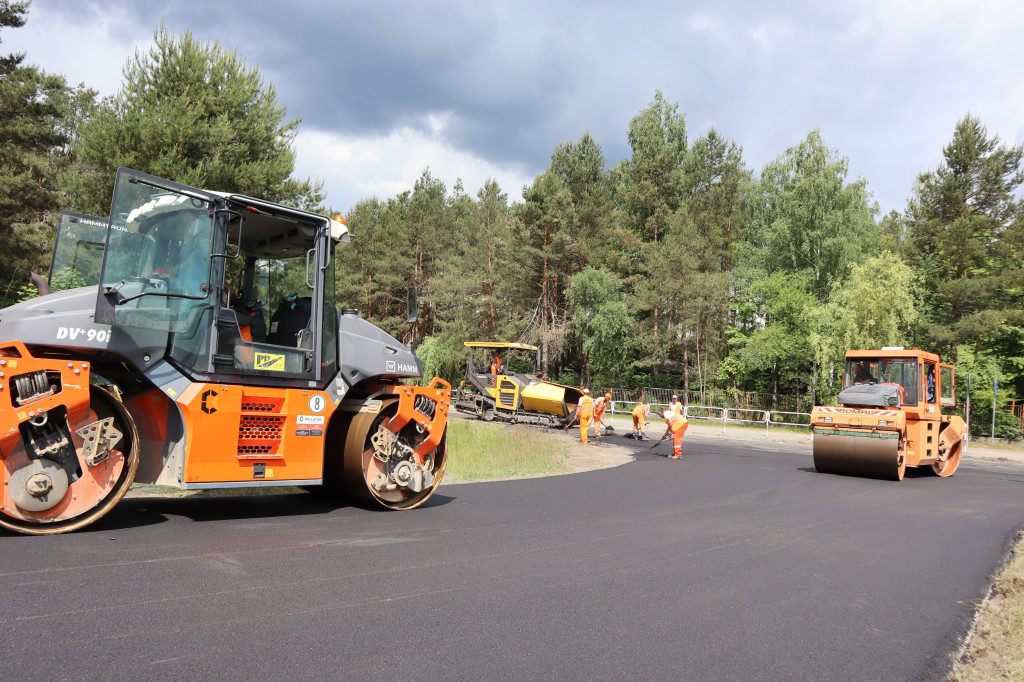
(722, 415)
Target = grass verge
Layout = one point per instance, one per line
(478, 451)
(996, 648)
(984, 444)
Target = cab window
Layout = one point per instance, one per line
(931, 387)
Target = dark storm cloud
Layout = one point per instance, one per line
(884, 81)
(361, 68)
(516, 79)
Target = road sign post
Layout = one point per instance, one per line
(995, 394)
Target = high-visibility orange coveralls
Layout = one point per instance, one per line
(640, 413)
(600, 405)
(677, 424)
(585, 411)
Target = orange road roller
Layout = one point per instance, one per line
(890, 417)
(204, 349)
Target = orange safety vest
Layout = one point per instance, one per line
(495, 366)
(676, 422)
(600, 405)
(586, 407)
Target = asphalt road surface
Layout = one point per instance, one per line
(739, 562)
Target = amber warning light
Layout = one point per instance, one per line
(339, 231)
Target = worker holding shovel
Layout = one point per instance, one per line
(600, 405)
(676, 425)
(640, 412)
(585, 413)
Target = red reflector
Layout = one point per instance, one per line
(253, 209)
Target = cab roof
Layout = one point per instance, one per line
(893, 353)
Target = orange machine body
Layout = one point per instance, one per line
(228, 434)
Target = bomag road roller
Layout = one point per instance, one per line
(168, 369)
(509, 388)
(890, 417)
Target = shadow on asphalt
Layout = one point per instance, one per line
(139, 512)
(911, 473)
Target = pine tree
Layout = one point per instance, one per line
(36, 112)
(194, 113)
(965, 225)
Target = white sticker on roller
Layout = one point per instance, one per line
(317, 403)
(306, 419)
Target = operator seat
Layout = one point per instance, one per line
(289, 320)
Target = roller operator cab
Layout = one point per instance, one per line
(890, 417)
(205, 349)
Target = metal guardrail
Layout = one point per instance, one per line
(723, 415)
(743, 418)
(806, 421)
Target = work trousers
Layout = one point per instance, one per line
(677, 440)
(584, 427)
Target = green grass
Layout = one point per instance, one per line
(983, 442)
(478, 451)
(996, 650)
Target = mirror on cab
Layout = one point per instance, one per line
(412, 305)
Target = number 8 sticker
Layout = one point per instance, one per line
(317, 403)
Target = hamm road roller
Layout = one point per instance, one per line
(168, 368)
(890, 417)
(510, 388)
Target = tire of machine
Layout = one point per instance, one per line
(950, 465)
(102, 403)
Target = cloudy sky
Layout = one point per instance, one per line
(483, 88)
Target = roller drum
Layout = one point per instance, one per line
(869, 454)
(361, 468)
(52, 503)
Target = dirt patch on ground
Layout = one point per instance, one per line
(595, 456)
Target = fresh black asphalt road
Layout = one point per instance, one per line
(739, 562)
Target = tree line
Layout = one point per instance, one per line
(679, 266)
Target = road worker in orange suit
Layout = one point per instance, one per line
(496, 365)
(601, 404)
(585, 413)
(640, 412)
(675, 425)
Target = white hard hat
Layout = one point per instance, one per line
(586, 390)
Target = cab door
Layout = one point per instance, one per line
(276, 317)
(947, 386)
